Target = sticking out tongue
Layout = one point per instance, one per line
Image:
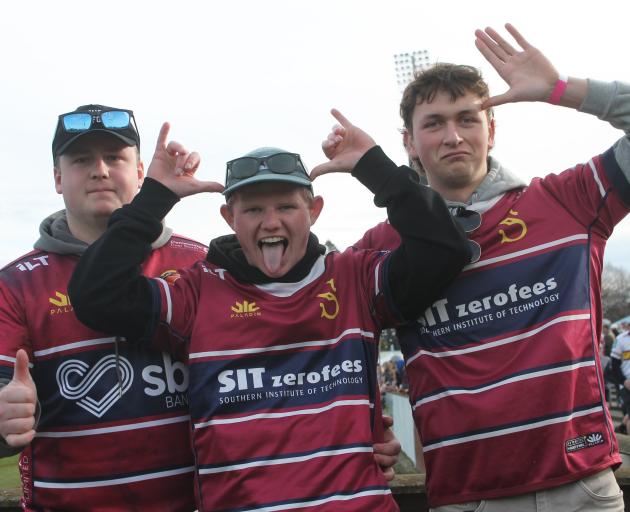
(272, 256)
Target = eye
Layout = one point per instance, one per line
(431, 123)
(469, 120)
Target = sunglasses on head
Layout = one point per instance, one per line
(469, 220)
(110, 119)
(248, 166)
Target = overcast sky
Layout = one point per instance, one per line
(233, 76)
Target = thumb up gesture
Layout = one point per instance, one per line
(18, 401)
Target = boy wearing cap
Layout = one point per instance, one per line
(113, 425)
(281, 340)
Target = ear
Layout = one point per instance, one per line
(140, 170)
(227, 213)
(316, 208)
(408, 143)
(491, 134)
(57, 176)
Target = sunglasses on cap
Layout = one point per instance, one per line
(74, 122)
(468, 220)
(248, 166)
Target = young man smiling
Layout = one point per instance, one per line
(282, 341)
(505, 378)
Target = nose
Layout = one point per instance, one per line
(451, 134)
(271, 220)
(100, 169)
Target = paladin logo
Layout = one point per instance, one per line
(517, 233)
(61, 303)
(76, 380)
(245, 309)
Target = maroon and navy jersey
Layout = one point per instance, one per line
(114, 428)
(283, 391)
(505, 379)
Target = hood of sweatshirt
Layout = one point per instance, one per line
(55, 236)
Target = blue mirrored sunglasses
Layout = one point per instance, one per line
(110, 119)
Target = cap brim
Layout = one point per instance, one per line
(271, 177)
(127, 140)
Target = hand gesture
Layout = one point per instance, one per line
(386, 453)
(344, 147)
(174, 166)
(530, 75)
(18, 401)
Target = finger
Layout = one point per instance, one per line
(175, 148)
(192, 163)
(321, 169)
(162, 137)
(330, 149)
(388, 473)
(341, 118)
(517, 36)
(334, 138)
(499, 40)
(18, 425)
(18, 440)
(17, 408)
(20, 370)
(500, 99)
(491, 47)
(210, 186)
(489, 55)
(339, 130)
(385, 460)
(388, 421)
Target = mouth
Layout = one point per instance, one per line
(273, 248)
(273, 241)
(100, 190)
(455, 154)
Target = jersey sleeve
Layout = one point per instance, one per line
(13, 329)
(594, 193)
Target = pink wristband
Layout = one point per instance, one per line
(558, 90)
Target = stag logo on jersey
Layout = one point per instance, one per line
(516, 230)
(582, 442)
(330, 306)
(245, 309)
(60, 302)
(82, 384)
(170, 276)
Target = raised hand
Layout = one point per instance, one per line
(18, 400)
(174, 166)
(344, 147)
(530, 75)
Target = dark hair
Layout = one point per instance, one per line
(454, 79)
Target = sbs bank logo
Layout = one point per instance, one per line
(82, 384)
(88, 378)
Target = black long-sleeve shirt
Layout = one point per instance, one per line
(109, 293)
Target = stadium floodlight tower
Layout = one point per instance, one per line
(407, 64)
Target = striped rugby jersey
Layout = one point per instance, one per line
(283, 391)
(102, 443)
(505, 382)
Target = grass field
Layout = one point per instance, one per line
(9, 476)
